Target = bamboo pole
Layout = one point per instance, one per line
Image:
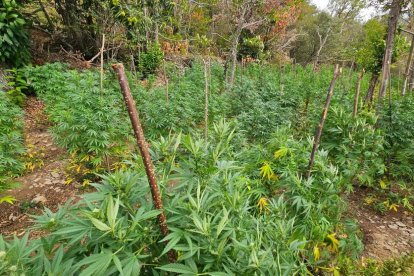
(167, 97)
(356, 99)
(318, 133)
(143, 148)
(408, 68)
(205, 100)
(102, 61)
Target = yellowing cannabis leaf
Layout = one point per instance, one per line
(383, 185)
(316, 253)
(262, 204)
(282, 152)
(369, 200)
(266, 171)
(8, 199)
(333, 242)
(394, 207)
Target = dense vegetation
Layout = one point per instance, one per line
(230, 94)
(241, 195)
(11, 143)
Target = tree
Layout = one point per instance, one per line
(370, 52)
(394, 15)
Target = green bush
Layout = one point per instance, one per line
(18, 86)
(150, 60)
(355, 145)
(14, 40)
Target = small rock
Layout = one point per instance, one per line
(400, 224)
(55, 174)
(48, 182)
(12, 217)
(393, 226)
(39, 199)
(382, 226)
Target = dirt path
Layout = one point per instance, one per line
(45, 185)
(385, 236)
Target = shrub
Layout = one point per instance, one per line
(355, 145)
(18, 86)
(13, 36)
(150, 60)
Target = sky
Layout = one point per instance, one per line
(365, 13)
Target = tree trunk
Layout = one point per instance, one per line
(318, 133)
(411, 78)
(408, 67)
(372, 84)
(392, 27)
(235, 44)
(322, 42)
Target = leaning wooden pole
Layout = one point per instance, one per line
(143, 148)
(408, 67)
(205, 100)
(102, 61)
(356, 98)
(318, 133)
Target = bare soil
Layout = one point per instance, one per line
(386, 236)
(44, 186)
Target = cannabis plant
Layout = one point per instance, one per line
(11, 141)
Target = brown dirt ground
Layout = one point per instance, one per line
(386, 236)
(44, 185)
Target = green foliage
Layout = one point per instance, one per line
(18, 85)
(370, 49)
(216, 224)
(11, 141)
(399, 138)
(89, 122)
(150, 60)
(14, 40)
(237, 202)
(252, 47)
(355, 145)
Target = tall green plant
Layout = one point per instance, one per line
(14, 42)
(11, 141)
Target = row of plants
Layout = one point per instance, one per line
(372, 148)
(11, 144)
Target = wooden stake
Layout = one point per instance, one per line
(143, 148)
(356, 99)
(102, 61)
(167, 97)
(318, 133)
(205, 100)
